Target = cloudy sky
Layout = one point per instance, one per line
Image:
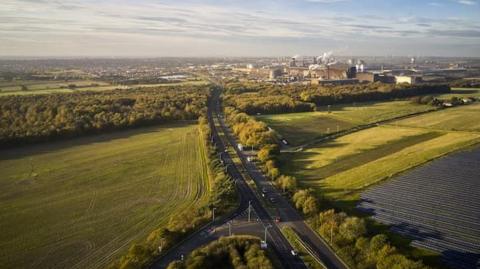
(239, 28)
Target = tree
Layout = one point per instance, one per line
(310, 206)
(353, 228)
(273, 173)
(299, 198)
(287, 183)
(398, 261)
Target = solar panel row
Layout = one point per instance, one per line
(437, 205)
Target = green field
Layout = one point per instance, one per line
(300, 128)
(347, 164)
(46, 87)
(81, 203)
(461, 92)
(462, 118)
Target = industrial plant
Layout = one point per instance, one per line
(329, 70)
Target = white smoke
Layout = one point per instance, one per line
(326, 56)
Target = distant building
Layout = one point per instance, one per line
(408, 79)
(330, 72)
(374, 77)
(366, 77)
(334, 81)
(275, 72)
(386, 79)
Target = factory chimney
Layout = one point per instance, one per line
(292, 62)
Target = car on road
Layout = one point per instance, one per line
(294, 253)
(278, 219)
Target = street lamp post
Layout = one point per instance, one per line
(226, 167)
(266, 228)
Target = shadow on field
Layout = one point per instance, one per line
(65, 142)
(465, 91)
(302, 158)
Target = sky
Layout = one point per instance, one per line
(194, 28)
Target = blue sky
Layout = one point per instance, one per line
(239, 28)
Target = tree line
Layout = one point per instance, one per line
(222, 197)
(272, 99)
(348, 235)
(466, 83)
(350, 238)
(254, 103)
(33, 118)
(238, 252)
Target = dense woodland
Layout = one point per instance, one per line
(272, 99)
(32, 118)
(238, 252)
(348, 235)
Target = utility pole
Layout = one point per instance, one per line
(249, 206)
(213, 214)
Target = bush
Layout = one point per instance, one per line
(227, 252)
(347, 236)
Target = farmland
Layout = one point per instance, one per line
(81, 203)
(349, 163)
(443, 218)
(299, 128)
(463, 118)
(461, 92)
(352, 162)
(46, 87)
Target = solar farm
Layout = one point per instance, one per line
(436, 205)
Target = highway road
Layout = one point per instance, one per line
(208, 233)
(288, 214)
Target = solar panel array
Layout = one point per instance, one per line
(437, 205)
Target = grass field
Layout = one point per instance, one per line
(81, 203)
(299, 128)
(345, 165)
(39, 87)
(462, 118)
(461, 92)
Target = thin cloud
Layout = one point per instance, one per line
(229, 25)
(467, 2)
